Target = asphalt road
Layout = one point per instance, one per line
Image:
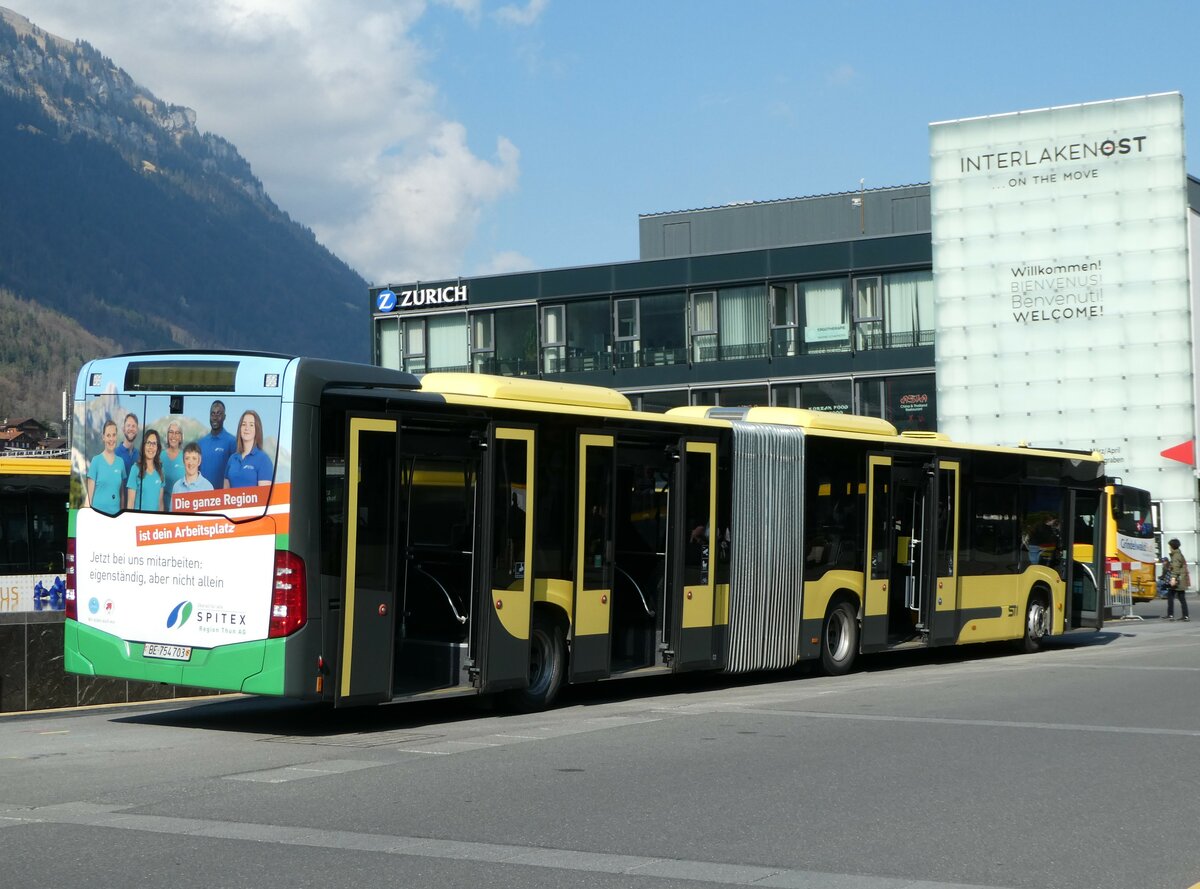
(1074, 768)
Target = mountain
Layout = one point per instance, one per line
(123, 227)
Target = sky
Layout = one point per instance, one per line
(430, 139)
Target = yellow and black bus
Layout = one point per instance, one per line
(354, 534)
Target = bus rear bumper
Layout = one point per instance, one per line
(251, 667)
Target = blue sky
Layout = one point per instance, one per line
(433, 139)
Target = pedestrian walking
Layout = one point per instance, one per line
(1180, 581)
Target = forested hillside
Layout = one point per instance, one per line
(136, 231)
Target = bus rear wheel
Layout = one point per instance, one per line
(547, 666)
(839, 639)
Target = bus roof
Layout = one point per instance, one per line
(520, 389)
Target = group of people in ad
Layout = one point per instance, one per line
(124, 476)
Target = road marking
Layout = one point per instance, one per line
(982, 723)
(724, 873)
(305, 770)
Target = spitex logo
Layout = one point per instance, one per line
(179, 615)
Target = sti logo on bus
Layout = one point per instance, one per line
(385, 300)
(179, 615)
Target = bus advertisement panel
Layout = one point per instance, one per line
(182, 498)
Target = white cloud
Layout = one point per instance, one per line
(420, 209)
(514, 14)
(330, 103)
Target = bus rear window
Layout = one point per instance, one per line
(181, 376)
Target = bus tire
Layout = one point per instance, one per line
(1037, 622)
(839, 639)
(547, 665)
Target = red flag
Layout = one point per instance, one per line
(1184, 453)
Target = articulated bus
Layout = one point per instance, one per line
(355, 534)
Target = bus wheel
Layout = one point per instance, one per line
(839, 639)
(547, 666)
(1037, 623)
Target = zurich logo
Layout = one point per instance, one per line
(179, 615)
(93, 605)
(385, 300)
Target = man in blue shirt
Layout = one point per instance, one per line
(215, 447)
(127, 450)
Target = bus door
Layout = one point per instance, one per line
(942, 607)
(504, 569)
(594, 549)
(899, 571)
(879, 545)
(696, 537)
(372, 559)
(1085, 579)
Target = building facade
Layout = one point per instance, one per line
(824, 303)
(1042, 289)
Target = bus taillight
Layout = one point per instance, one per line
(70, 608)
(289, 599)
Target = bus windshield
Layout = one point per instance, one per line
(1131, 510)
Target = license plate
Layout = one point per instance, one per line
(169, 652)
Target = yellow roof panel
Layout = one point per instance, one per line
(518, 389)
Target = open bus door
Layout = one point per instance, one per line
(504, 570)
(595, 542)
(1085, 577)
(696, 539)
(942, 609)
(371, 564)
(904, 536)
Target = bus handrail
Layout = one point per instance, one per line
(445, 592)
(641, 595)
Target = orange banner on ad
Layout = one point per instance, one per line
(204, 529)
(232, 498)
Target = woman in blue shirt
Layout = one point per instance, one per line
(106, 474)
(248, 465)
(145, 485)
(172, 461)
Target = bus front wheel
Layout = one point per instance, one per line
(839, 639)
(1037, 624)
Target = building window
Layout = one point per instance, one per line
(588, 324)
(833, 396)
(414, 345)
(704, 326)
(516, 341)
(554, 339)
(826, 315)
(817, 309)
(907, 402)
(732, 396)
(785, 341)
(387, 342)
(868, 314)
(658, 401)
(627, 339)
(575, 337)
(447, 342)
(742, 316)
(908, 308)
(483, 343)
(663, 326)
